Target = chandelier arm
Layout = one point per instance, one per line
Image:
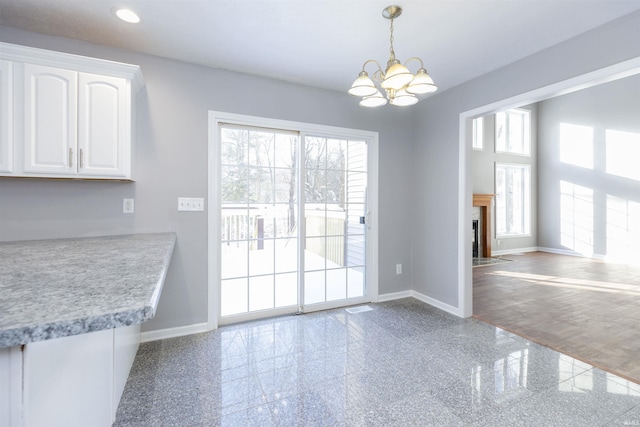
(378, 75)
(374, 61)
(415, 58)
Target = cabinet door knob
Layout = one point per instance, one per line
(70, 156)
(81, 158)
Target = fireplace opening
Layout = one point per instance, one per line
(482, 202)
(476, 239)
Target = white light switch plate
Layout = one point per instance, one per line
(190, 204)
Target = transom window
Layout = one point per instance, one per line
(513, 132)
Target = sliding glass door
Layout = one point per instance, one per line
(259, 219)
(292, 218)
(335, 184)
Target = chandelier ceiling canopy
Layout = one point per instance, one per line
(397, 85)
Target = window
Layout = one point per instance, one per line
(513, 131)
(477, 133)
(512, 200)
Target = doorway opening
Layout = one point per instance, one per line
(604, 75)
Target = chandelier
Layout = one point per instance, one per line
(398, 84)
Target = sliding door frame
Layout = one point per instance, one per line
(213, 204)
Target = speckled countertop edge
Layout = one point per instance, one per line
(62, 287)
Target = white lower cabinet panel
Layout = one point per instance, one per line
(10, 386)
(69, 381)
(125, 346)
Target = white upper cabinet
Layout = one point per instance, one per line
(103, 126)
(6, 101)
(72, 116)
(49, 120)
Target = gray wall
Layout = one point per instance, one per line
(611, 106)
(483, 170)
(171, 161)
(419, 161)
(436, 160)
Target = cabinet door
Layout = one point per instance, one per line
(6, 118)
(50, 120)
(103, 126)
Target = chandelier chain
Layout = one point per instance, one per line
(393, 54)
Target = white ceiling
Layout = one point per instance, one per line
(323, 43)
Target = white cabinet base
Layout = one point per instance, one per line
(125, 346)
(11, 386)
(70, 381)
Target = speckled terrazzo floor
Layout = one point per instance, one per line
(404, 363)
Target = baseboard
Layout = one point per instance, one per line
(514, 251)
(571, 253)
(436, 303)
(180, 331)
(394, 295)
(197, 328)
(560, 251)
(630, 258)
(420, 297)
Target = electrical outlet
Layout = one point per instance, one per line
(190, 204)
(127, 206)
(398, 268)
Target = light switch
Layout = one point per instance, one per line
(190, 204)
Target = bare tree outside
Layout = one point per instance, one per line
(264, 174)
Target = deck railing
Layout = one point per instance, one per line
(333, 227)
(237, 226)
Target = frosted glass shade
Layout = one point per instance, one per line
(403, 99)
(396, 77)
(363, 86)
(376, 100)
(422, 83)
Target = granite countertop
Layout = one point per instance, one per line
(62, 287)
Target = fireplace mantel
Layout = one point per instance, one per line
(483, 201)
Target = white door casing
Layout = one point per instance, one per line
(214, 206)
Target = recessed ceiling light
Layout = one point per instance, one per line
(128, 15)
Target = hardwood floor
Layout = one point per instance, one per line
(585, 308)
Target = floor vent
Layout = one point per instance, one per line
(359, 309)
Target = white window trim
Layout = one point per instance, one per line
(526, 198)
(213, 204)
(477, 135)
